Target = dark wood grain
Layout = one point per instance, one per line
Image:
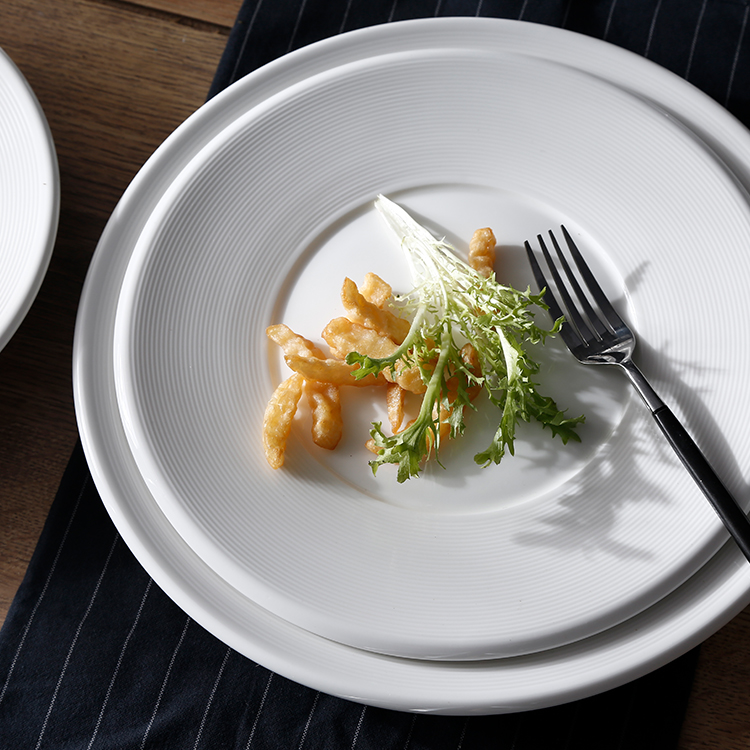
(115, 78)
(219, 12)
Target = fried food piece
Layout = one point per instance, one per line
(334, 371)
(366, 313)
(277, 420)
(372, 447)
(375, 290)
(344, 336)
(324, 400)
(482, 252)
(444, 430)
(395, 396)
(292, 343)
(394, 399)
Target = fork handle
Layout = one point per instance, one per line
(713, 488)
(692, 457)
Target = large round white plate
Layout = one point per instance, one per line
(675, 623)
(29, 197)
(557, 543)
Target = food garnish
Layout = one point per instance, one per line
(456, 334)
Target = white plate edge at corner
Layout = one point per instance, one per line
(444, 688)
(37, 262)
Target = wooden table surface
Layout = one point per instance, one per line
(114, 79)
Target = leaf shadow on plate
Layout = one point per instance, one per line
(601, 481)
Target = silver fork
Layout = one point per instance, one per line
(601, 337)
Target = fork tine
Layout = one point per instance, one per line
(541, 282)
(570, 335)
(573, 316)
(593, 285)
(588, 311)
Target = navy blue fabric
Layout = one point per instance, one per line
(94, 655)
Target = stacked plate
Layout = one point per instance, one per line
(563, 571)
(29, 197)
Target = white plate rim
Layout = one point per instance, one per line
(626, 651)
(30, 274)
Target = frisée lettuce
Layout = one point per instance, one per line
(451, 305)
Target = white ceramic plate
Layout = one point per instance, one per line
(29, 197)
(556, 544)
(672, 625)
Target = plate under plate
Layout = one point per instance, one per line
(673, 624)
(558, 542)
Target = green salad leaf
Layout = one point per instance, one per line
(451, 305)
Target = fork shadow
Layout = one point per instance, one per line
(601, 480)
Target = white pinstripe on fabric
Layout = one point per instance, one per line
(359, 726)
(44, 589)
(736, 58)
(564, 22)
(463, 734)
(609, 19)
(74, 642)
(345, 16)
(295, 29)
(211, 697)
(307, 723)
(164, 683)
(411, 731)
(695, 39)
(393, 11)
(651, 28)
(245, 39)
(118, 665)
(259, 711)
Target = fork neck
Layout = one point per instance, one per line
(637, 378)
